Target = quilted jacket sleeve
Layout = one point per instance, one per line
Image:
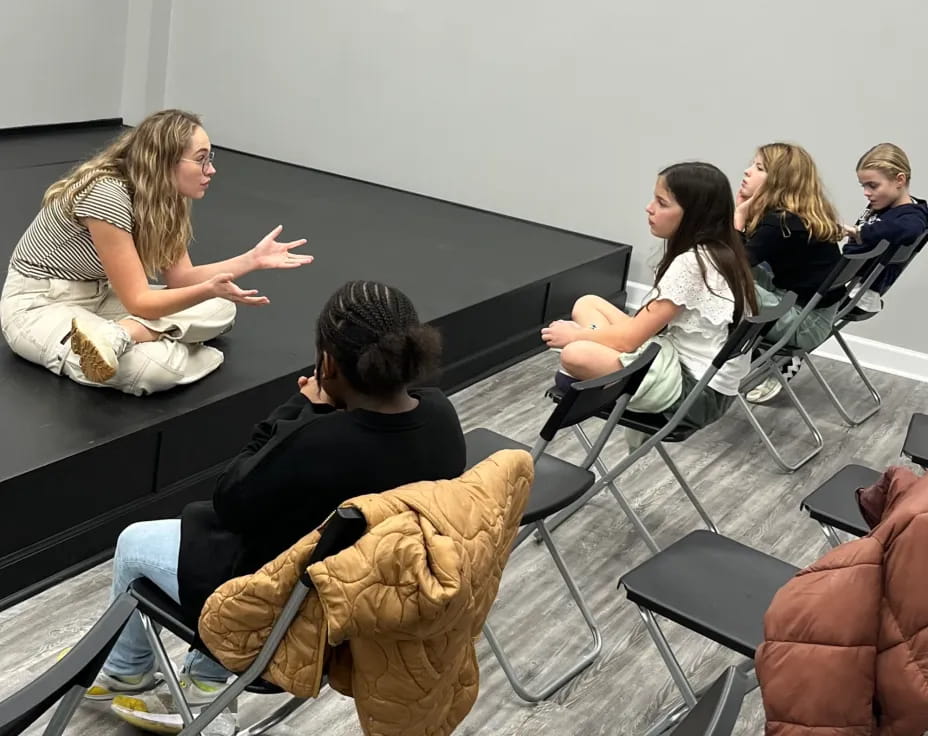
(402, 580)
(817, 665)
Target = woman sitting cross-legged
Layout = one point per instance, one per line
(703, 286)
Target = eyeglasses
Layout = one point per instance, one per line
(205, 161)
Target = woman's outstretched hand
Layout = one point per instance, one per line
(221, 285)
(270, 253)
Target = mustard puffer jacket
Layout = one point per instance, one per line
(393, 619)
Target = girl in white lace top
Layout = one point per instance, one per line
(703, 286)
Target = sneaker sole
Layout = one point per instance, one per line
(763, 399)
(135, 713)
(95, 367)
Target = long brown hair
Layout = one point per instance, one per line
(704, 194)
(793, 185)
(144, 158)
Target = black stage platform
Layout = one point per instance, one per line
(77, 465)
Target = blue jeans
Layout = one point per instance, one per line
(150, 549)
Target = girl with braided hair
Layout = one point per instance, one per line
(353, 427)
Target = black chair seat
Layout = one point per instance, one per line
(162, 609)
(858, 315)
(916, 440)
(647, 423)
(652, 423)
(712, 585)
(835, 503)
(557, 483)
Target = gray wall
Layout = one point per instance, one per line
(61, 60)
(560, 112)
(555, 112)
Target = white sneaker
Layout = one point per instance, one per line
(107, 687)
(764, 392)
(200, 692)
(95, 349)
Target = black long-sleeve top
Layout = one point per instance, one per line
(300, 464)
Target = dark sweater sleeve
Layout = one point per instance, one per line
(763, 243)
(250, 489)
(900, 230)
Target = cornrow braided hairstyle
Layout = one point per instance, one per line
(373, 333)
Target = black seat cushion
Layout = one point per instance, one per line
(162, 609)
(712, 585)
(835, 501)
(652, 423)
(557, 483)
(647, 423)
(916, 440)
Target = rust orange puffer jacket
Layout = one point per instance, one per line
(846, 650)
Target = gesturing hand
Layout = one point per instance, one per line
(269, 253)
(221, 285)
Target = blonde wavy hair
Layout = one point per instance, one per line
(888, 159)
(793, 185)
(144, 158)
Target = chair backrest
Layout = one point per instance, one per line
(717, 710)
(585, 399)
(75, 671)
(752, 328)
(343, 529)
(903, 256)
(848, 266)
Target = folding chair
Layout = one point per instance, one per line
(68, 679)
(834, 503)
(768, 362)
(557, 483)
(345, 527)
(849, 313)
(711, 585)
(743, 339)
(717, 710)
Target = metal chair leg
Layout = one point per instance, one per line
(668, 461)
(65, 711)
(830, 533)
(833, 397)
(771, 448)
(561, 516)
(274, 719)
(545, 691)
(167, 669)
(676, 671)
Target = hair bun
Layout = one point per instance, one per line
(399, 358)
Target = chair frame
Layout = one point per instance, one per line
(766, 365)
(742, 340)
(899, 256)
(624, 383)
(342, 530)
(68, 679)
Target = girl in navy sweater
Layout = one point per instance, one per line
(892, 213)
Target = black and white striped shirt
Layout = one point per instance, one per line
(56, 246)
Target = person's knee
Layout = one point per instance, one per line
(129, 540)
(577, 355)
(585, 302)
(225, 314)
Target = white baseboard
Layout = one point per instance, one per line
(878, 356)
